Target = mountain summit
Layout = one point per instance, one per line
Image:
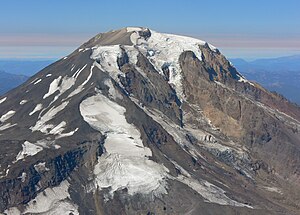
(140, 122)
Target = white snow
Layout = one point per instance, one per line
(6, 126)
(113, 93)
(3, 100)
(65, 58)
(165, 49)
(6, 171)
(34, 80)
(38, 81)
(61, 135)
(23, 102)
(53, 87)
(273, 189)
(29, 149)
(132, 53)
(73, 67)
(107, 56)
(7, 115)
(66, 84)
(59, 128)
(160, 49)
(49, 75)
(77, 73)
(210, 192)
(57, 146)
(41, 167)
(130, 29)
(61, 85)
(23, 177)
(89, 77)
(41, 125)
(12, 211)
(126, 162)
(54, 201)
(37, 108)
(243, 79)
(81, 86)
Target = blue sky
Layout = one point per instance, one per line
(53, 28)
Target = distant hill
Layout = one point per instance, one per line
(276, 74)
(23, 67)
(9, 81)
(15, 72)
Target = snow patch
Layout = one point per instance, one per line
(59, 128)
(49, 75)
(3, 100)
(126, 162)
(7, 115)
(243, 79)
(66, 84)
(38, 81)
(273, 189)
(81, 87)
(53, 87)
(54, 200)
(37, 108)
(131, 29)
(113, 93)
(23, 102)
(6, 126)
(77, 73)
(23, 177)
(210, 192)
(41, 167)
(71, 133)
(29, 149)
(41, 125)
(73, 67)
(106, 58)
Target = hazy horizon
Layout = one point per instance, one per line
(248, 30)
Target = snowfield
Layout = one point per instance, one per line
(55, 201)
(126, 163)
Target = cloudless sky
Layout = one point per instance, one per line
(53, 28)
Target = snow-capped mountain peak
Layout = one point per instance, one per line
(145, 122)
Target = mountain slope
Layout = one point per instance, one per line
(139, 122)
